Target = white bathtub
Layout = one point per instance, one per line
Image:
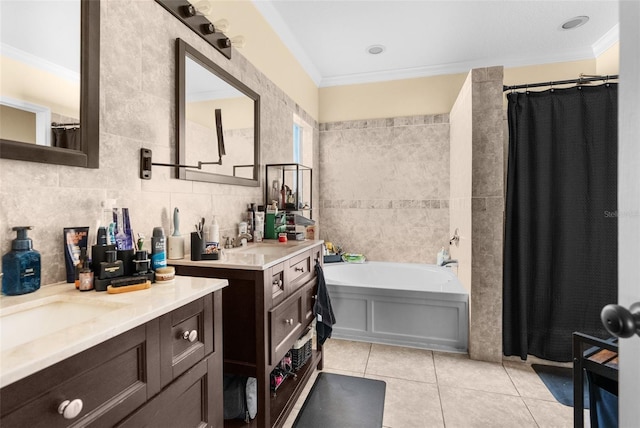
(414, 305)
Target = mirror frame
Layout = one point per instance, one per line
(89, 157)
(182, 50)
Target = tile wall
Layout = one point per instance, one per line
(477, 204)
(137, 110)
(385, 186)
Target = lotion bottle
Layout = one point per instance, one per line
(214, 233)
(21, 266)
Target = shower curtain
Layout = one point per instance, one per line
(66, 138)
(560, 251)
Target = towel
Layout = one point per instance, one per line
(325, 319)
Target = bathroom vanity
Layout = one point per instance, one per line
(144, 358)
(267, 306)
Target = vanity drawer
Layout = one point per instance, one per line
(285, 322)
(276, 279)
(299, 271)
(186, 337)
(111, 380)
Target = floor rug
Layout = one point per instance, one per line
(344, 402)
(559, 380)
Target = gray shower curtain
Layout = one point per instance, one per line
(560, 251)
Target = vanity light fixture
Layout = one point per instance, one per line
(219, 26)
(192, 15)
(146, 163)
(238, 41)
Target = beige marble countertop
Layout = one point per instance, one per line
(98, 317)
(255, 256)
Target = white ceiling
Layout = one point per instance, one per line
(428, 37)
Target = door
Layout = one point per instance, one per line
(629, 205)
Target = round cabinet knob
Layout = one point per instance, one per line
(620, 321)
(70, 409)
(191, 336)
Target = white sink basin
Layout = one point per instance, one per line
(29, 321)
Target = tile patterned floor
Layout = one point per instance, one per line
(437, 389)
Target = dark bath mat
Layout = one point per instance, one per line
(343, 401)
(559, 380)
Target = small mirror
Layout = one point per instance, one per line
(217, 122)
(50, 87)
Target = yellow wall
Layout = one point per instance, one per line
(418, 96)
(266, 52)
(17, 125)
(609, 62)
(21, 81)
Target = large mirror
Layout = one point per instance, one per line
(49, 91)
(217, 124)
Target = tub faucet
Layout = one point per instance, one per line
(449, 262)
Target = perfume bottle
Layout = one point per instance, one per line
(21, 266)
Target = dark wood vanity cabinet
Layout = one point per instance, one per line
(153, 375)
(264, 313)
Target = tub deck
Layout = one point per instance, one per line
(433, 316)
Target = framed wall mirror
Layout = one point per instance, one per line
(49, 96)
(217, 123)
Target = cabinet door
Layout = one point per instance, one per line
(285, 324)
(276, 278)
(186, 337)
(310, 291)
(188, 402)
(110, 380)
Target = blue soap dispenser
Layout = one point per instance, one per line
(21, 266)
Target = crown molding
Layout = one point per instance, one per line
(453, 68)
(610, 38)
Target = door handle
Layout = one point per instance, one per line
(620, 321)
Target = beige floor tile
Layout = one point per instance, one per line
(466, 408)
(549, 414)
(410, 404)
(457, 370)
(346, 355)
(527, 381)
(402, 363)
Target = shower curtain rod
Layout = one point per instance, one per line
(582, 79)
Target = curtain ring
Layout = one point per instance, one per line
(551, 84)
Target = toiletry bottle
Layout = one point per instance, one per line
(175, 242)
(158, 248)
(215, 232)
(440, 257)
(85, 276)
(112, 267)
(99, 250)
(21, 266)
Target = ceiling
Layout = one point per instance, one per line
(428, 37)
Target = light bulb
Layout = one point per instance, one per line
(222, 25)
